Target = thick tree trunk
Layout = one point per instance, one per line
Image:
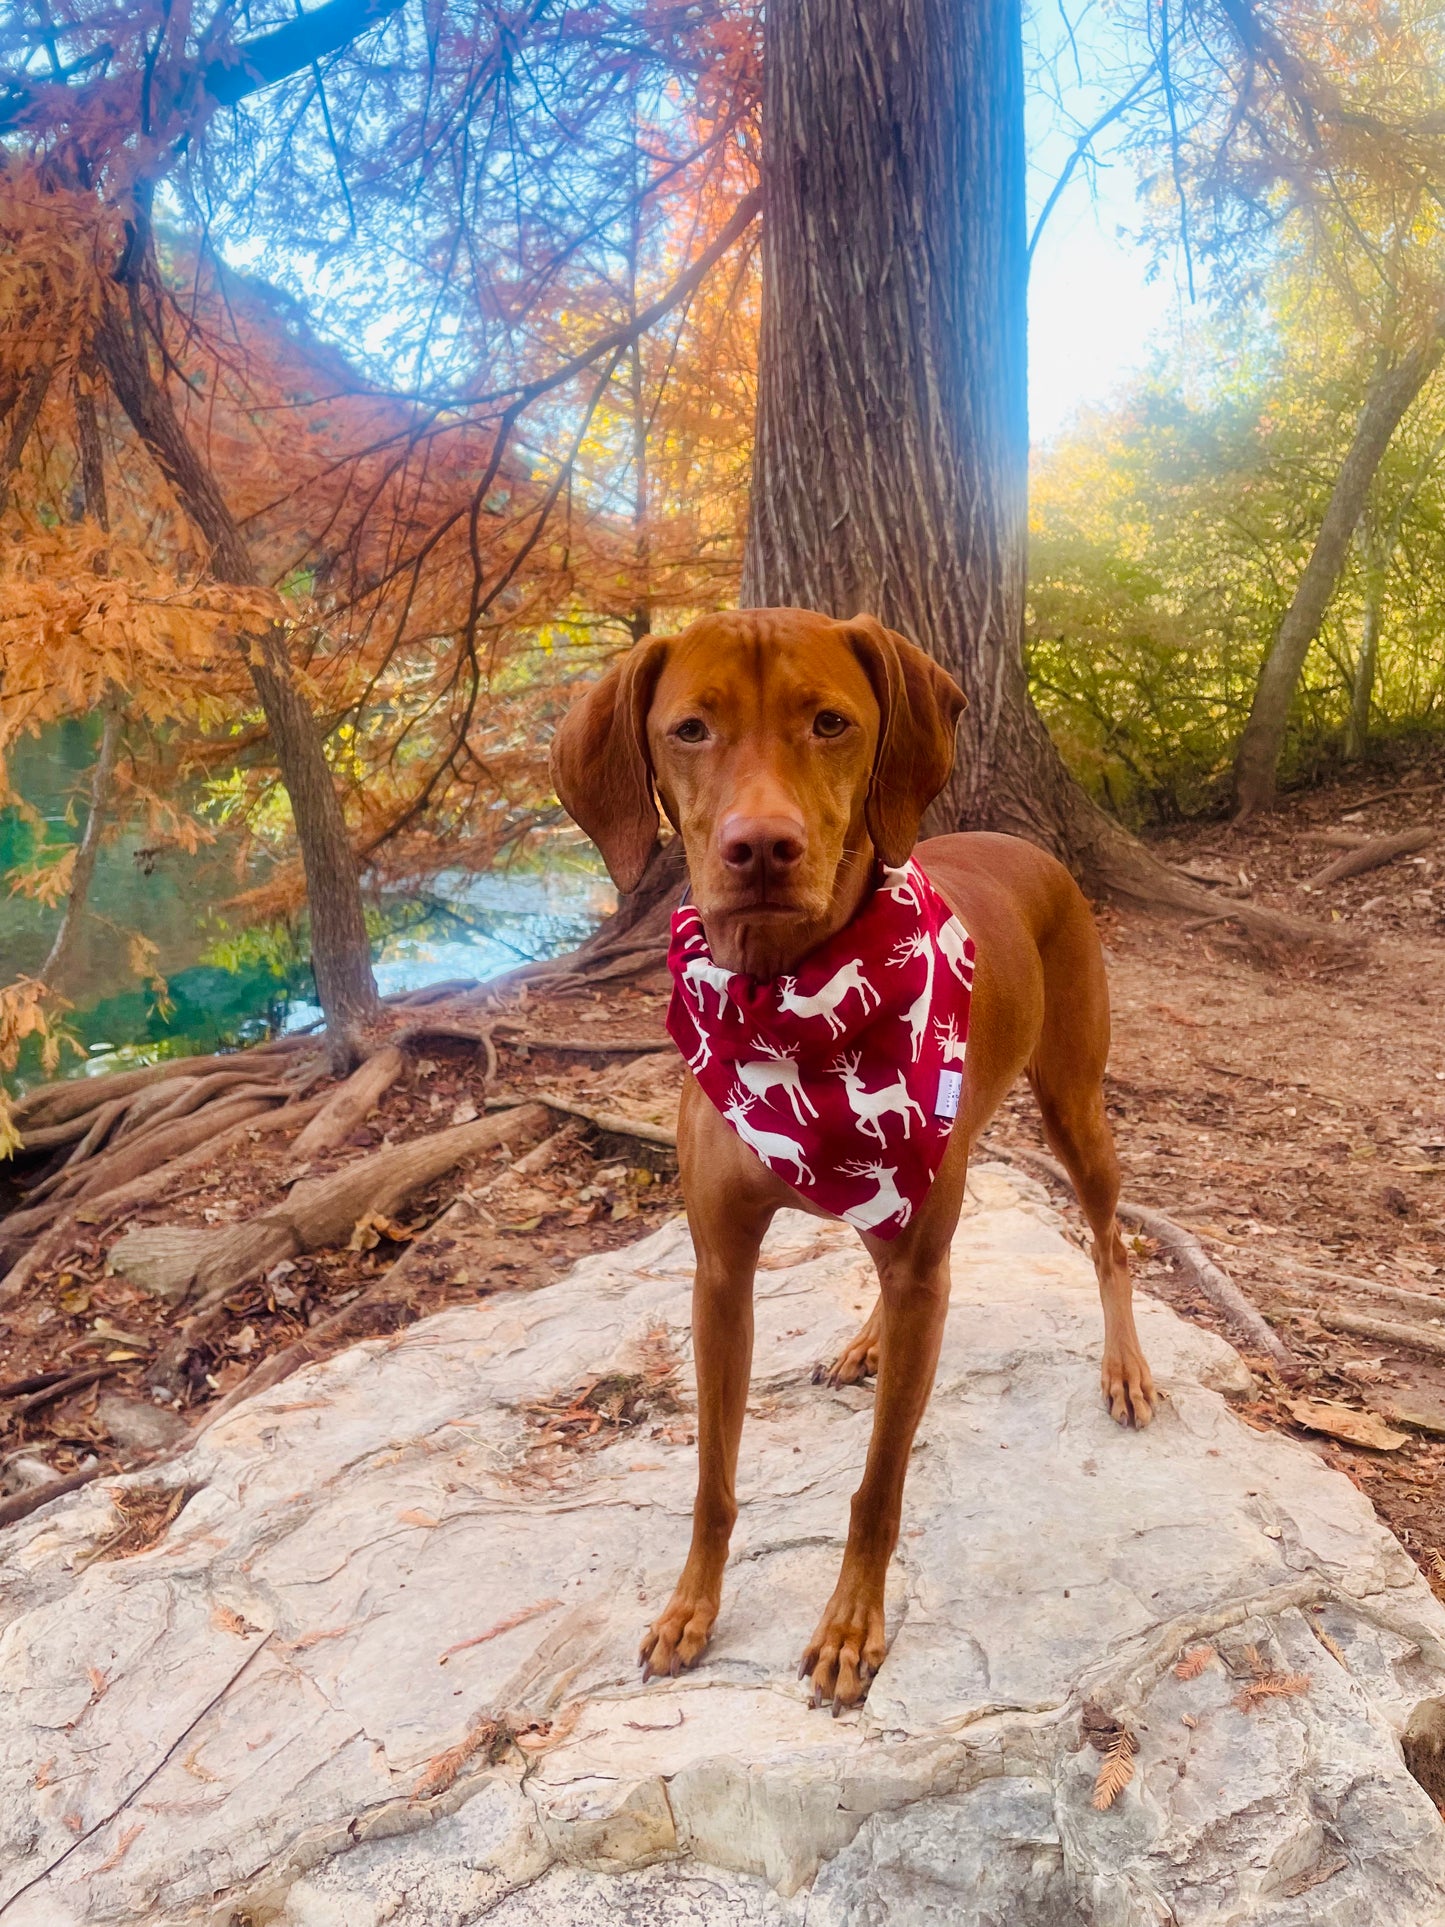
(340, 947)
(1257, 761)
(890, 470)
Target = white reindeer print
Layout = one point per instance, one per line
(900, 885)
(777, 1070)
(699, 973)
(886, 1201)
(916, 1015)
(954, 1047)
(825, 1002)
(771, 1146)
(869, 1106)
(702, 1056)
(952, 943)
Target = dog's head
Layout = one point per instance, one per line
(785, 748)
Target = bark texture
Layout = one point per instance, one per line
(340, 947)
(1256, 763)
(890, 471)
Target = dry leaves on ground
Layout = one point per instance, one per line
(1268, 1684)
(1193, 1663)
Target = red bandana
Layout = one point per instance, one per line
(844, 1079)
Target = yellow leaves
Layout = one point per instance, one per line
(23, 1014)
(48, 883)
(141, 954)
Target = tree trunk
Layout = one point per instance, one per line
(340, 947)
(1257, 761)
(1357, 726)
(891, 459)
(94, 504)
(52, 971)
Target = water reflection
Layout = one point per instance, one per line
(216, 984)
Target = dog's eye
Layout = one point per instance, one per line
(692, 729)
(828, 722)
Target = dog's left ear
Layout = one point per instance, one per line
(919, 706)
(600, 766)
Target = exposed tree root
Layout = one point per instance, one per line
(1373, 853)
(318, 1211)
(350, 1103)
(72, 1097)
(22, 1504)
(1193, 1260)
(150, 1149)
(613, 1121)
(99, 1210)
(441, 1028)
(1385, 1331)
(385, 1290)
(584, 1046)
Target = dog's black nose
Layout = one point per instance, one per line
(761, 846)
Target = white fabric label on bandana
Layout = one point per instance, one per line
(950, 1089)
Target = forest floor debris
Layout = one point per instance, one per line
(1287, 1110)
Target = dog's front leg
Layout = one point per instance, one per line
(727, 1239)
(848, 1645)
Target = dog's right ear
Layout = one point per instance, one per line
(600, 766)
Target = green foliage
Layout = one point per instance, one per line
(1167, 535)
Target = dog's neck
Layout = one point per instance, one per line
(767, 946)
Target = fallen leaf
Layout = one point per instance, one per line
(122, 1847)
(1344, 1422)
(502, 1626)
(1116, 1769)
(1271, 1686)
(190, 1764)
(442, 1770)
(1313, 1877)
(372, 1227)
(226, 1620)
(413, 1517)
(1193, 1663)
(1331, 1646)
(103, 1328)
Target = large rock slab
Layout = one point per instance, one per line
(381, 1667)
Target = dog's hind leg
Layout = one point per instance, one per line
(859, 1357)
(1067, 1076)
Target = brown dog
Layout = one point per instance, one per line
(790, 753)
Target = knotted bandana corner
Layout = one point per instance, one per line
(844, 1078)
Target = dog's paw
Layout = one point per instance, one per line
(846, 1649)
(1129, 1387)
(857, 1360)
(677, 1638)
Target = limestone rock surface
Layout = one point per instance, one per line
(381, 1665)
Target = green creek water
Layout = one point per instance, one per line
(226, 982)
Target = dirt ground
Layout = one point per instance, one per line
(1287, 1107)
